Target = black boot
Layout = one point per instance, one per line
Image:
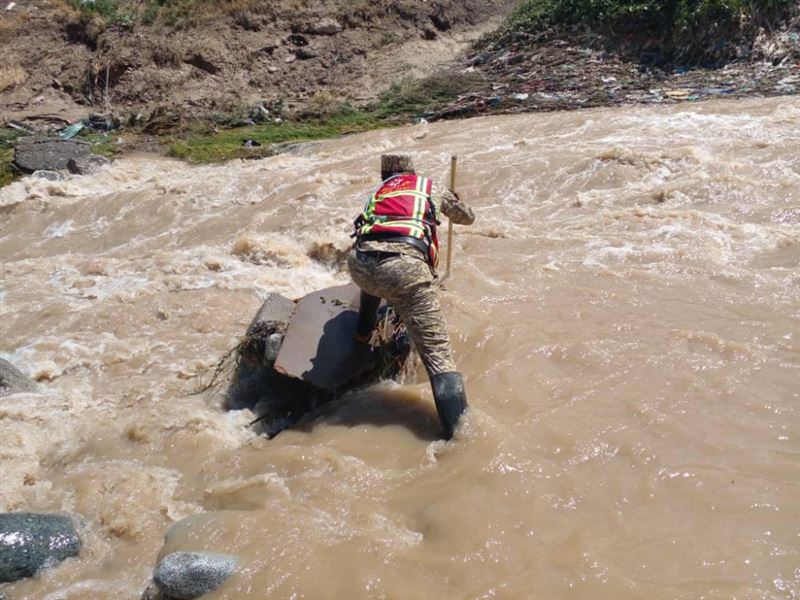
(451, 401)
(367, 316)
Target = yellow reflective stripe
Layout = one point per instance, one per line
(420, 200)
(402, 225)
(402, 193)
(369, 209)
(406, 227)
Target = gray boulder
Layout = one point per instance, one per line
(30, 541)
(40, 153)
(277, 400)
(12, 380)
(85, 165)
(186, 575)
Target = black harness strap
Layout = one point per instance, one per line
(387, 236)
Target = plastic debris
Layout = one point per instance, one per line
(520, 96)
(678, 94)
(709, 91)
(19, 126)
(71, 131)
(11, 5)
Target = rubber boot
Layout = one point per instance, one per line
(367, 316)
(451, 401)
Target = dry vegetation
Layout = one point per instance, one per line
(11, 76)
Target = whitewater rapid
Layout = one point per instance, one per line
(625, 311)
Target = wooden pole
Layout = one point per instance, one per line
(453, 160)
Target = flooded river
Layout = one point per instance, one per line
(625, 310)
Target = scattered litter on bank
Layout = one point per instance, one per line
(70, 132)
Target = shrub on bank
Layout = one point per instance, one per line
(7, 171)
(687, 30)
(414, 96)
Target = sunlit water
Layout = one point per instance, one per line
(625, 310)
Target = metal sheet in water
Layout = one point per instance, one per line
(319, 345)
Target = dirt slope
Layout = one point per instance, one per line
(226, 56)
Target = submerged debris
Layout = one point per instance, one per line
(280, 401)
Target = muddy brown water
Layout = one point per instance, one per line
(626, 312)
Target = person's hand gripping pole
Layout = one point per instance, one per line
(453, 162)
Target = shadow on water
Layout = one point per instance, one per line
(381, 406)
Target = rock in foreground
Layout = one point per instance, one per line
(86, 165)
(12, 380)
(30, 541)
(186, 575)
(39, 153)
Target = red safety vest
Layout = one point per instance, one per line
(401, 210)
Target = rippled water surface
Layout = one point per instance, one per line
(625, 310)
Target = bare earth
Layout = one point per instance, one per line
(288, 56)
(55, 65)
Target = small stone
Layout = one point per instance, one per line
(429, 34)
(202, 62)
(13, 381)
(270, 47)
(297, 40)
(306, 52)
(187, 575)
(30, 541)
(85, 165)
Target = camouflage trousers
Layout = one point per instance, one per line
(406, 283)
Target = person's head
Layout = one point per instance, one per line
(395, 164)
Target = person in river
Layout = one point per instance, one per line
(394, 257)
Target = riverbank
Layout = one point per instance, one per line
(523, 66)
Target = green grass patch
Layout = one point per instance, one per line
(104, 144)
(416, 96)
(108, 12)
(204, 147)
(691, 28)
(7, 138)
(173, 13)
(7, 172)
(401, 102)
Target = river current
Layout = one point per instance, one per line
(625, 311)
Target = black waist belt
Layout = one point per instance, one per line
(393, 237)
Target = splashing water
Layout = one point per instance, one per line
(625, 310)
